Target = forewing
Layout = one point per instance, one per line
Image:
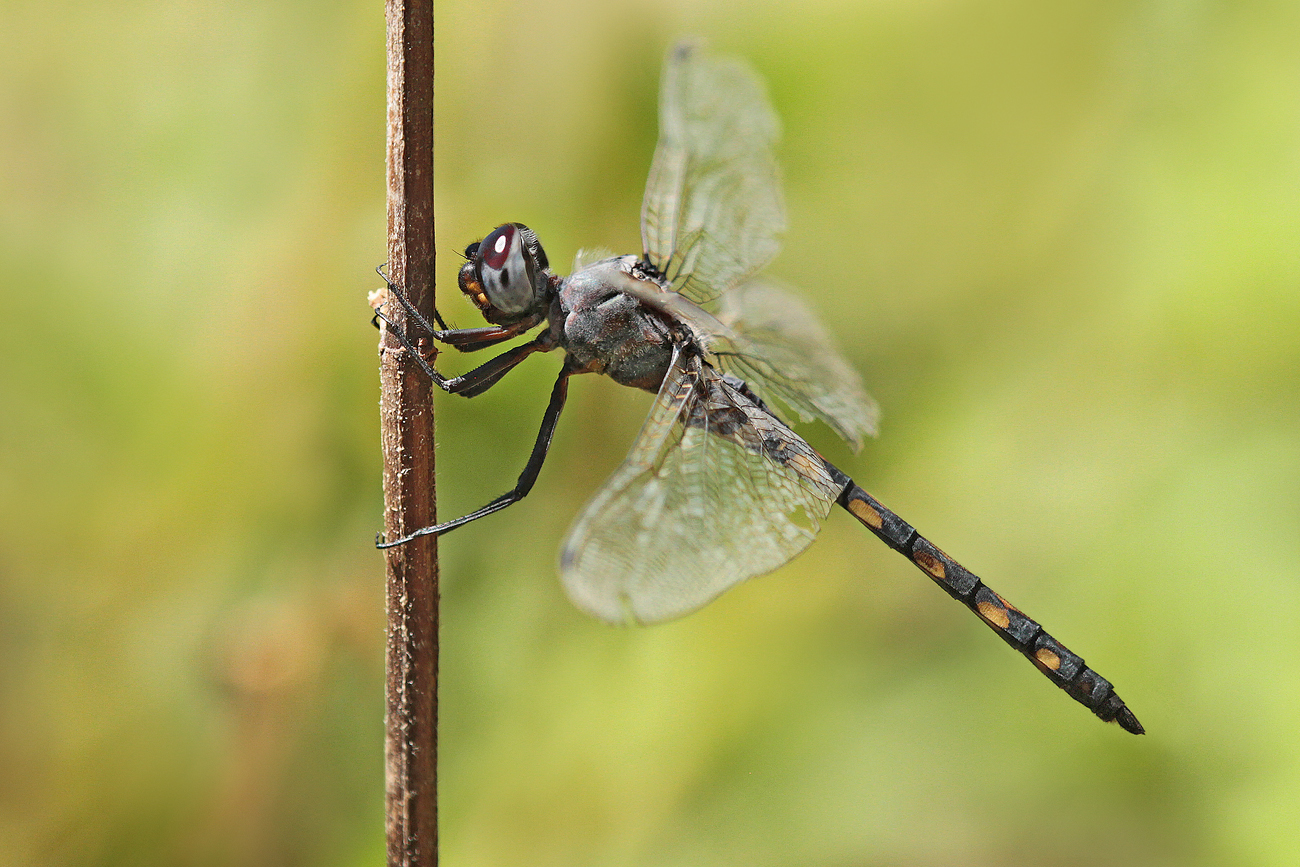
(715, 491)
(713, 208)
(780, 349)
(770, 339)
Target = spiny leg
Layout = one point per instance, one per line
(463, 339)
(408, 306)
(488, 374)
(1064, 668)
(526, 479)
(481, 378)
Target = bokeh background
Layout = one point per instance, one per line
(1060, 240)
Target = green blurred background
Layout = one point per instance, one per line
(1060, 240)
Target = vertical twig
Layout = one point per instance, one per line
(406, 420)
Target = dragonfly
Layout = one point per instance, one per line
(717, 487)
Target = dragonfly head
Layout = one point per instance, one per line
(506, 273)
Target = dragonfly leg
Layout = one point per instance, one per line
(526, 479)
(481, 378)
(488, 374)
(463, 339)
(409, 307)
(1064, 668)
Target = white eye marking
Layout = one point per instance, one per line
(500, 245)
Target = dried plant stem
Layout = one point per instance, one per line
(406, 419)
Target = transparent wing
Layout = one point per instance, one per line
(780, 349)
(590, 256)
(713, 208)
(710, 220)
(770, 339)
(715, 491)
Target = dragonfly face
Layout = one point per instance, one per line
(506, 275)
(717, 487)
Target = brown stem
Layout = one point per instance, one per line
(406, 425)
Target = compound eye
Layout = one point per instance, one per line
(507, 269)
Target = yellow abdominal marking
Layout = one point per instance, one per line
(994, 614)
(1048, 659)
(931, 564)
(862, 510)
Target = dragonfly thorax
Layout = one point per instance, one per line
(607, 330)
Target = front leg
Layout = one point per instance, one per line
(463, 339)
(488, 374)
(481, 378)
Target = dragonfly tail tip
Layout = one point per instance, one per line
(1129, 722)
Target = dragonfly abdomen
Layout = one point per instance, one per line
(1060, 665)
